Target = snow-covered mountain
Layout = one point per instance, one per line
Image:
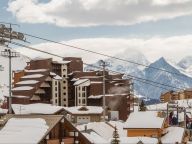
(122, 66)
(176, 79)
(180, 80)
(17, 64)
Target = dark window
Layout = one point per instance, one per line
(55, 88)
(55, 82)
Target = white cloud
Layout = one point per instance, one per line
(97, 12)
(174, 48)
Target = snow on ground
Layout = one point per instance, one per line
(175, 134)
(23, 131)
(38, 108)
(146, 119)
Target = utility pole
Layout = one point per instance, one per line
(6, 37)
(103, 64)
(8, 53)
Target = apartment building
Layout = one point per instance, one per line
(64, 83)
(176, 95)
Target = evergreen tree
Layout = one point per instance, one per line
(142, 106)
(115, 139)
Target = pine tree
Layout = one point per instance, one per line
(115, 139)
(142, 106)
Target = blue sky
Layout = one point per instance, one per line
(77, 28)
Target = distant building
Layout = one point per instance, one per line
(176, 95)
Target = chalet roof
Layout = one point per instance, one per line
(84, 110)
(57, 77)
(146, 119)
(37, 134)
(23, 130)
(81, 81)
(37, 108)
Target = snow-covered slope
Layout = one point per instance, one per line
(17, 64)
(180, 80)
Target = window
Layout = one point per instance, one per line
(55, 94)
(83, 101)
(55, 82)
(79, 101)
(64, 69)
(64, 93)
(64, 87)
(64, 75)
(83, 94)
(64, 99)
(55, 88)
(55, 100)
(64, 81)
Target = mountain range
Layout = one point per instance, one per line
(148, 80)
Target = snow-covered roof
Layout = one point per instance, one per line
(52, 74)
(81, 81)
(75, 79)
(175, 134)
(146, 119)
(36, 70)
(136, 140)
(23, 131)
(96, 82)
(57, 77)
(61, 62)
(33, 76)
(28, 82)
(84, 109)
(107, 95)
(22, 88)
(101, 132)
(37, 108)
